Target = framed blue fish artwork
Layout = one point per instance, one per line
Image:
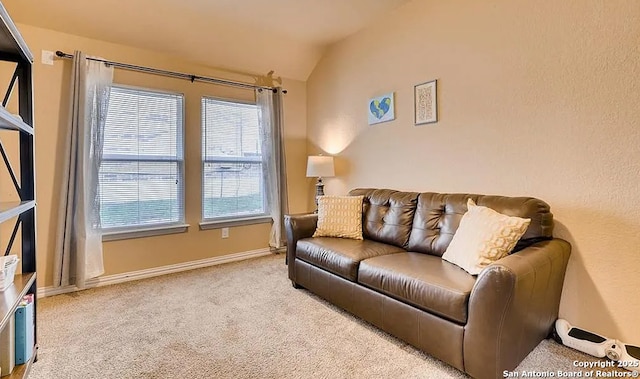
(381, 109)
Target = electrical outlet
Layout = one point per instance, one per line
(225, 232)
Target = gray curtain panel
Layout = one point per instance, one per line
(78, 252)
(274, 162)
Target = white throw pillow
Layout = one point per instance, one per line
(339, 216)
(483, 237)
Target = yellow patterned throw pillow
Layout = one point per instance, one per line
(483, 237)
(339, 216)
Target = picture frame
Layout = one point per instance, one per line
(381, 108)
(426, 102)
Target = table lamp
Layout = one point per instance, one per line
(319, 166)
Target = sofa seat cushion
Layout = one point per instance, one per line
(341, 256)
(424, 281)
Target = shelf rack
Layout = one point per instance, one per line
(14, 49)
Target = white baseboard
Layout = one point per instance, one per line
(156, 271)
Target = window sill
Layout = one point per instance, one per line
(218, 224)
(144, 232)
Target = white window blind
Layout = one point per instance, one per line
(232, 177)
(141, 176)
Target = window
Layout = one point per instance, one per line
(141, 176)
(232, 176)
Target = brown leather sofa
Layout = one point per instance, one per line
(395, 277)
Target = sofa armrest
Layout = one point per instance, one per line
(296, 227)
(513, 306)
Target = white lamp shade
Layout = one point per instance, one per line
(320, 166)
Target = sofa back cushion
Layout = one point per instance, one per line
(387, 215)
(438, 216)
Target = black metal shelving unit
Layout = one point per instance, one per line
(14, 49)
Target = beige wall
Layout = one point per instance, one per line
(51, 84)
(536, 98)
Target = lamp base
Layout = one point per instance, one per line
(319, 191)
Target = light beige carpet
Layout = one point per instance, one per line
(240, 320)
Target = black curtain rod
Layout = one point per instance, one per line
(173, 74)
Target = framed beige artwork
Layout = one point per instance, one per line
(425, 102)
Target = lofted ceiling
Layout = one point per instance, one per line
(288, 36)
